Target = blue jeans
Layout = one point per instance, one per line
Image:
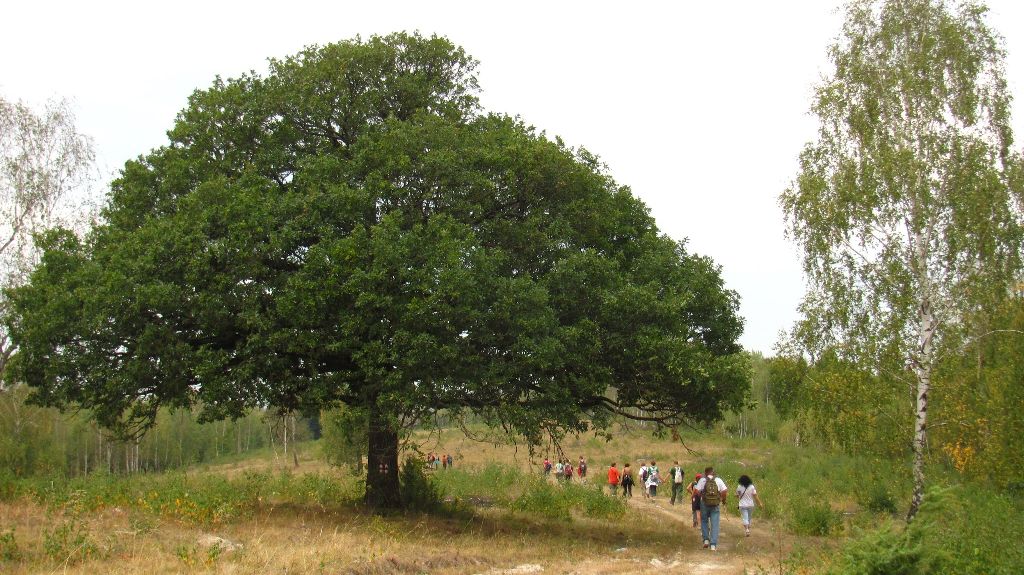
(711, 514)
(745, 513)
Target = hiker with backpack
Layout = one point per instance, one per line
(643, 480)
(746, 493)
(713, 493)
(653, 480)
(626, 481)
(676, 477)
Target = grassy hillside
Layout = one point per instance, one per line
(496, 514)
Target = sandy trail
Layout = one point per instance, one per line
(736, 553)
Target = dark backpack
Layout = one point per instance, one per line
(712, 496)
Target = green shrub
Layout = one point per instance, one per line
(9, 485)
(814, 518)
(542, 499)
(969, 529)
(593, 502)
(882, 552)
(419, 493)
(877, 498)
(69, 543)
(959, 530)
(9, 550)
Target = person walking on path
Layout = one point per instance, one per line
(694, 500)
(746, 493)
(676, 477)
(713, 493)
(653, 480)
(613, 479)
(643, 480)
(627, 481)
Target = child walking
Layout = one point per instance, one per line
(746, 493)
(694, 499)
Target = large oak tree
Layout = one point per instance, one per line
(351, 228)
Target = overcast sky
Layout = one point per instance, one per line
(700, 107)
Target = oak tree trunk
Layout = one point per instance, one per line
(382, 489)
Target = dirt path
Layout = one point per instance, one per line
(736, 553)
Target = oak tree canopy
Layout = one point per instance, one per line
(352, 228)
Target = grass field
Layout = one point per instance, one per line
(264, 515)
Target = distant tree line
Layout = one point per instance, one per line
(832, 403)
(37, 441)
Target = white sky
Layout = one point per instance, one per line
(700, 107)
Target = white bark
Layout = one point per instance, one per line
(923, 360)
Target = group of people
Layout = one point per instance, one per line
(706, 493)
(648, 476)
(563, 469)
(436, 460)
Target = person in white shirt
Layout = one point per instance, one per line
(746, 493)
(712, 498)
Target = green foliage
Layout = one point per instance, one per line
(882, 552)
(201, 499)
(44, 441)
(419, 493)
(187, 555)
(847, 407)
(69, 542)
(9, 550)
(907, 206)
(761, 416)
(982, 400)
(558, 501)
(877, 497)
(344, 440)
(529, 493)
(813, 518)
(9, 485)
(959, 531)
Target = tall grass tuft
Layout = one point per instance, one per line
(507, 487)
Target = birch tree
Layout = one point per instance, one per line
(907, 207)
(43, 158)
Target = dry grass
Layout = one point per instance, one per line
(348, 540)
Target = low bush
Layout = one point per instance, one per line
(959, 530)
(9, 550)
(419, 493)
(876, 497)
(69, 542)
(814, 518)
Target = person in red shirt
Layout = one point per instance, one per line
(613, 479)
